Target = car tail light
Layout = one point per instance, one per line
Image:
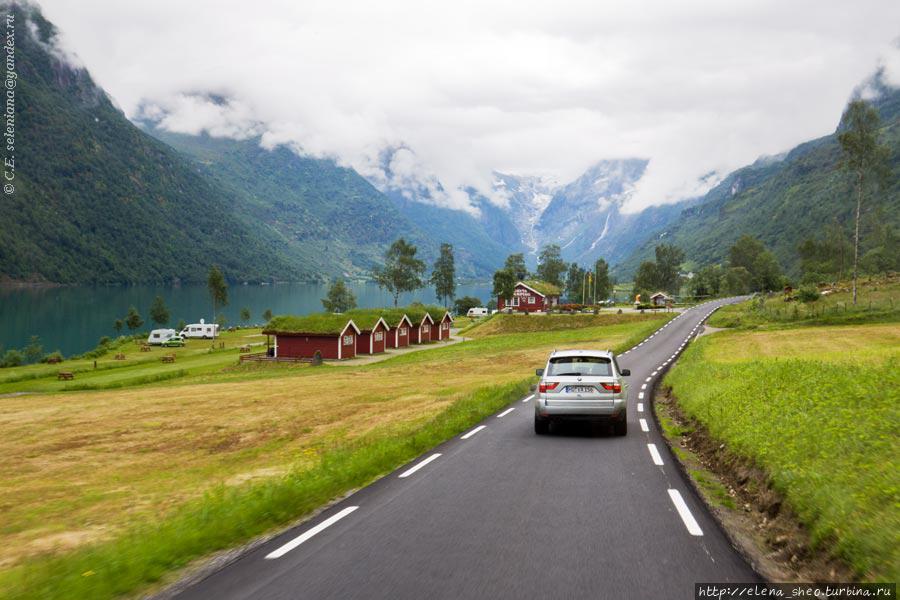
(546, 387)
(612, 387)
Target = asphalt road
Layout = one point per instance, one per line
(503, 513)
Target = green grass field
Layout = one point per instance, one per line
(878, 301)
(818, 408)
(128, 483)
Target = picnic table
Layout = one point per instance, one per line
(145, 348)
(65, 375)
(245, 348)
(120, 356)
(54, 359)
(168, 358)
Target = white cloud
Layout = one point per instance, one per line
(473, 87)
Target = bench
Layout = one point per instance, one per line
(168, 358)
(64, 375)
(120, 356)
(54, 360)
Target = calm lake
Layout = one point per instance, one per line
(72, 319)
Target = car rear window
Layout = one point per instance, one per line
(579, 365)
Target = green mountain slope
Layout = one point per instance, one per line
(782, 201)
(325, 217)
(99, 201)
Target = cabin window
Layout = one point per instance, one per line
(530, 299)
(379, 336)
(348, 340)
(426, 328)
(514, 301)
(446, 325)
(403, 331)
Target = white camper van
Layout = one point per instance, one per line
(158, 336)
(200, 330)
(477, 311)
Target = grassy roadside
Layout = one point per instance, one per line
(85, 466)
(816, 408)
(227, 516)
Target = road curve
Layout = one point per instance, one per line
(502, 513)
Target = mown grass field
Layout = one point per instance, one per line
(818, 407)
(132, 471)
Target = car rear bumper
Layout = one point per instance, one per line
(586, 410)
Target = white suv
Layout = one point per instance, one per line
(581, 384)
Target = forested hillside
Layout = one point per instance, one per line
(785, 200)
(99, 201)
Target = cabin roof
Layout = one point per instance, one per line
(314, 324)
(541, 287)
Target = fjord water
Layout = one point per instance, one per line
(72, 319)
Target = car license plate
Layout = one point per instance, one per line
(579, 389)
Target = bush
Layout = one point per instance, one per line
(12, 358)
(571, 307)
(809, 293)
(53, 357)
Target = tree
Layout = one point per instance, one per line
(118, 324)
(515, 264)
(221, 320)
(865, 159)
(443, 275)
(707, 282)
(668, 264)
(750, 254)
(267, 315)
(645, 280)
(737, 281)
(133, 319)
(462, 305)
(504, 284)
(340, 298)
(218, 288)
(181, 325)
(602, 283)
(402, 271)
(159, 313)
(551, 266)
(575, 284)
(245, 315)
(34, 350)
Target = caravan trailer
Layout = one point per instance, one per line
(200, 330)
(159, 336)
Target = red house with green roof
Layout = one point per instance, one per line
(399, 327)
(531, 296)
(373, 330)
(334, 336)
(420, 331)
(442, 320)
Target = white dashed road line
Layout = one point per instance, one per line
(415, 468)
(644, 426)
(640, 407)
(640, 395)
(506, 412)
(689, 521)
(526, 399)
(654, 454)
(473, 432)
(310, 533)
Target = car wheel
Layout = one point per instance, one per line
(621, 427)
(541, 426)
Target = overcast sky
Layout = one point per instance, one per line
(472, 87)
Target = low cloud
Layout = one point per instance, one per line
(469, 88)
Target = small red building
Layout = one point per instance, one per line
(399, 327)
(373, 331)
(420, 331)
(442, 321)
(334, 336)
(531, 296)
